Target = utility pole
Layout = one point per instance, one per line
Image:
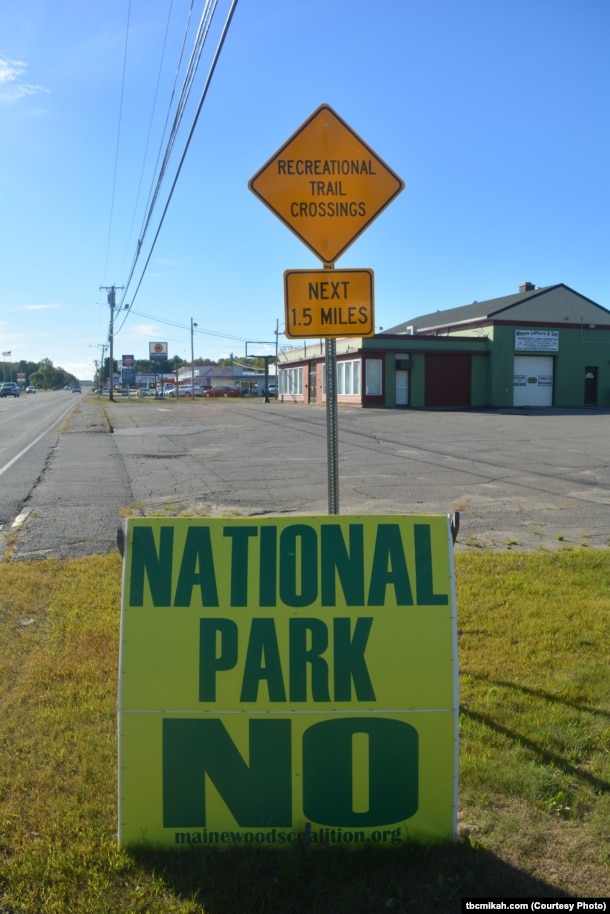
(277, 373)
(112, 302)
(266, 358)
(100, 374)
(102, 366)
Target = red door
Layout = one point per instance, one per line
(447, 379)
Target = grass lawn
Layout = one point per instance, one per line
(534, 820)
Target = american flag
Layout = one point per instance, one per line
(6, 353)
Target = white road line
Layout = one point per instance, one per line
(35, 441)
(21, 518)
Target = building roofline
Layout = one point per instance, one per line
(484, 311)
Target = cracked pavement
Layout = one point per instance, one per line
(520, 479)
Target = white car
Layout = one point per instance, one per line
(187, 391)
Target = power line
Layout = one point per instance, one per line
(118, 138)
(152, 113)
(179, 326)
(202, 31)
(193, 63)
(183, 157)
(192, 67)
(163, 132)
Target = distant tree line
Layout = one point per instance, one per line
(43, 375)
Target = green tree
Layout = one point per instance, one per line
(26, 368)
(37, 378)
(106, 369)
(46, 373)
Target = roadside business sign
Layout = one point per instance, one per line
(326, 184)
(328, 303)
(157, 350)
(287, 680)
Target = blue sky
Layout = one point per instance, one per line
(495, 113)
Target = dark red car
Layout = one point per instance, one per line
(223, 391)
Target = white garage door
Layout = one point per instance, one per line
(533, 380)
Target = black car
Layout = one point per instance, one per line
(9, 389)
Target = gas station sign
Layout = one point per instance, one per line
(157, 350)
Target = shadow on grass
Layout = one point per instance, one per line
(543, 755)
(536, 693)
(428, 879)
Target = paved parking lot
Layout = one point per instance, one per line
(520, 479)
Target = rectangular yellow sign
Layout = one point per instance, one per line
(287, 679)
(328, 303)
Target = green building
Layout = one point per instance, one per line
(547, 347)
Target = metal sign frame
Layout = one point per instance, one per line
(280, 685)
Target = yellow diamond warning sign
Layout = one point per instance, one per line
(328, 303)
(326, 184)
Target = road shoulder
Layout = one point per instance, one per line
(76, 506)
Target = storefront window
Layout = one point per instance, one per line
(348, 377)
(291, 381)
(373, 378)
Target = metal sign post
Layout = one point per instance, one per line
(267, 358)
(327, 185)
(332, 425)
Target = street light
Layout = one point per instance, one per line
(193, 325)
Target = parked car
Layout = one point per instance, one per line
(165, 391)
(30, 390)
(9, 389)
(223, 391)
(187, 390)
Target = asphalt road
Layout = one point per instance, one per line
(521, 480)
(29, 428)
